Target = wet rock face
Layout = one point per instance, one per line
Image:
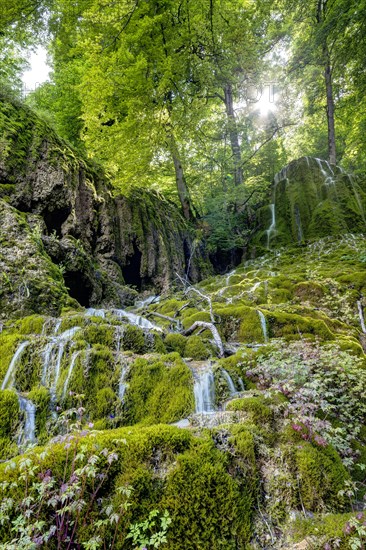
(29, 281)
(102, 243)
(310, 200)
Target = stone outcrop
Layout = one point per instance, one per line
(311, 199)
(107, 246)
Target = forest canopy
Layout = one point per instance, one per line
(203, 101)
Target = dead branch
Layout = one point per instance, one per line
(214, 331)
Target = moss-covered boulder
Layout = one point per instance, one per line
(312, 199)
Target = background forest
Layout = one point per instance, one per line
(203, 101)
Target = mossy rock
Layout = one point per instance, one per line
(176, 342)
(255, 407)
(196, 349)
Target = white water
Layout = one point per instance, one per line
(119, 336)
(122, 383)
(28, 435)
(147, 301)
(204, 390)
(272, 227)
(361, 315)
(136, 320)
(9, 379)
(75, 355)
(52, 358)
(229, 381)
(91, 312)
(263, 325)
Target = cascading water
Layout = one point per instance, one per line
(52, 358)
(272, 227)
(204, 390)
(361, 316)
(74, 357)
(263, 325)
(134, 319)
(122, 383)
(91, 312)
(229, 381)
(9, 379)
(28, 434)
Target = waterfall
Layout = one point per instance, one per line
(9, 379)
(204, 390)
(122, 383)
(263, 325)
(52, 358)
(362, 318)
(272, 227)
(91, 312)
(147, 301)
(28, 435)
(75, 355)
(120, 329)
(229, 382)
(136, 320)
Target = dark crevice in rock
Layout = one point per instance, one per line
(79, 287)
(55, 219)
(225, 260)
(131, 271)
(187, 258)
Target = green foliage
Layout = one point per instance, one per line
(146, 535)
(255, 407)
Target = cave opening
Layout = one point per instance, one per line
(55, 219)
(225, 260)
(131, 271)
(79, 287)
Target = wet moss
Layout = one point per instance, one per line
(196, 349)
(176, 342)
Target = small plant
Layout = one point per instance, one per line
(150, 533)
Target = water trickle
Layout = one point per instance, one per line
(134, 319)
(147, 301)
(28, 435)
(263, 325)
(122, 382)
(52, 358)
(9, 379)
(91, 312)
(272, 227)
(120, 329)
(204, 390)
(229, 381)
(75, 355)
(241, 384)
(361, 315)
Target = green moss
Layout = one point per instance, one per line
(254, 406)
(283, 324)
(104, 402)
(30, 325)
(321, 476)
(9, 420)
(99, 334)
(159, 391)
(8, 345)
(327, 528)
(134, 339)
(196, 349)
(176, 342)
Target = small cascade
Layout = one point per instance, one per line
(228, 277)
(280, 176)
(361, 315)
(229, 381)
(91, 312)
(120, 329)
(75, 355)
(263, 325)
(254, 287)
(9, 379)
(204, 390)
(122, 383)
(136, 320)
(52, 358)
(241, 384)
(272, 227)
(28, 435)
(140, 304)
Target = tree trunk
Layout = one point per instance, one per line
(234, 135)
(330, 108)
(182, 187)
(321, 13)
